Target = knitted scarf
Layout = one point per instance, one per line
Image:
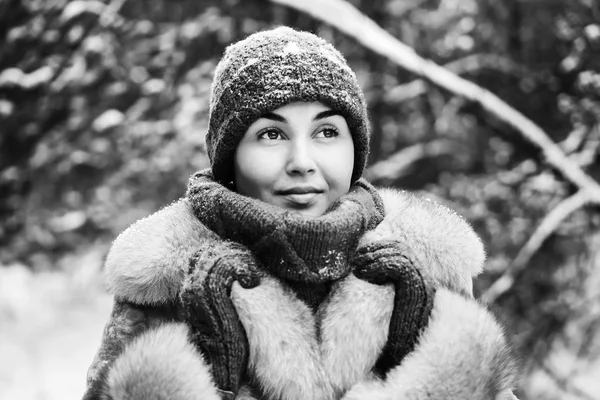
(304, 251)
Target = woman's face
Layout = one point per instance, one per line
(299, 157)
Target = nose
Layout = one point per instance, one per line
(300, 159)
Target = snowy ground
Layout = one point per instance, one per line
(50, 327)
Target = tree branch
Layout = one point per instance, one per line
(468, 64)
(399, 163)
(566, 385)
(543, 231)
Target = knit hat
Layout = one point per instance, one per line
(270, 69)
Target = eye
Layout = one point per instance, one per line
(327, 132)
(270, 134)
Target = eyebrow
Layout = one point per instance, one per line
(274, 117)
(321, 115)
(327, 113)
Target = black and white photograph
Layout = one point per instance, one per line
(299, 199)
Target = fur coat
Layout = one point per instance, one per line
(145, 352)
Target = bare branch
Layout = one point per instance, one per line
(448, 113)
(400, 162)
(574, 139)
(400, 8)
(406, 91)
(476, 62)
(468, 64)
(346, 18)
(566, 385)
(543, 231)
(589, 152)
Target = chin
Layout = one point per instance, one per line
(309, 212)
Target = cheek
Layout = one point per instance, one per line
(339, 163)
(254, 174)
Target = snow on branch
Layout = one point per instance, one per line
(347, 19)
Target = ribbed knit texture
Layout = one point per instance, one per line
(207, 307)
(390, 262)
(273, 68)
(309, 251)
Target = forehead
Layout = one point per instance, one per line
(301, 105)
(310, 110)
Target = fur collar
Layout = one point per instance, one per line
(146, 262)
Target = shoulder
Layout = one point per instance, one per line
(145, 263)
(445, 245)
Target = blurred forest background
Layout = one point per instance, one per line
(103, 110)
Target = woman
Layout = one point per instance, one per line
(284, 275)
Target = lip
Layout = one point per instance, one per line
(300, 195)
(299, 190)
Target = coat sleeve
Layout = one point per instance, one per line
(126, 322)
(463, 353)
(144, 271)
(146, 353)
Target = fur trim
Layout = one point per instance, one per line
(291, 359)
(161, 365)
(446, 247)
(354, 329)
(284, 355)
(146, 262)
(462, 354)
